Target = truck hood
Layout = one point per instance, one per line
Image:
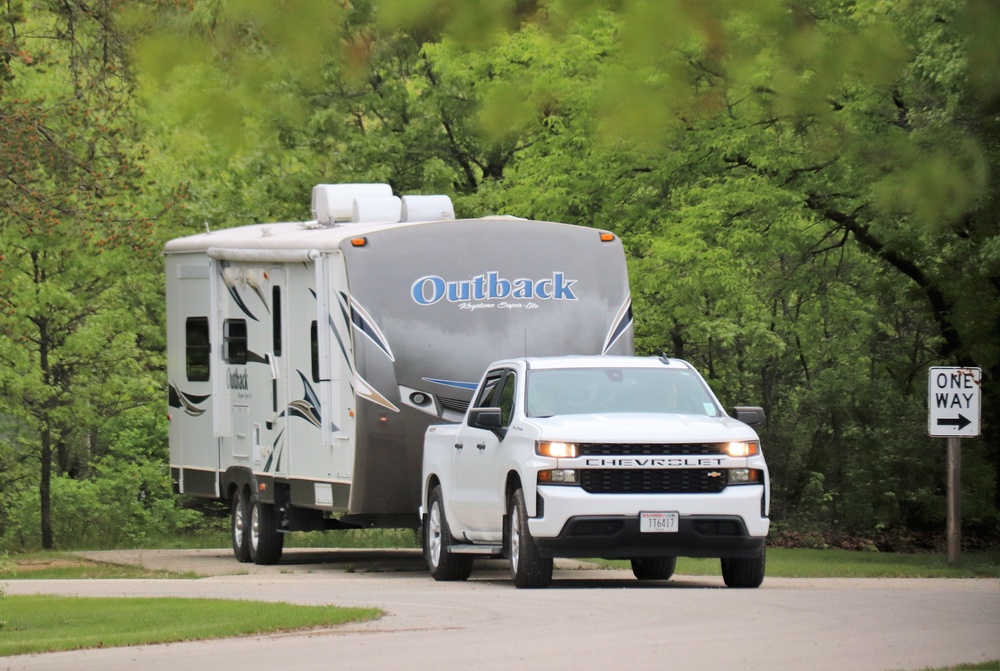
(642, 427)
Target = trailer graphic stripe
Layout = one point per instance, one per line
(623, 320)
(190, 402)
(471, 386)
(364, 323)
(229, 278)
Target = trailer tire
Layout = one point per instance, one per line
(239, 526)
(265, 541)
(528, 568)
(443, 565)
(740, 572)
(654, 568)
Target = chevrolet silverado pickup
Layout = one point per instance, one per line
(611, 457)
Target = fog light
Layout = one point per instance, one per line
(739, 475)
(558, 476)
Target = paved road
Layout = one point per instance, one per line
(588, 619)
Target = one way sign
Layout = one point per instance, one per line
(953, 401)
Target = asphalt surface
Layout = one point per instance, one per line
(588, 619)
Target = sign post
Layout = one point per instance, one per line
(954, 411)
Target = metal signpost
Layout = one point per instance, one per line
(954, 411)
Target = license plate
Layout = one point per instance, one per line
(658, 523)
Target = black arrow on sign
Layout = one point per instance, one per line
(961, 421)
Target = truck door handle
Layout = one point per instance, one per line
(481, 446)
(458, 446)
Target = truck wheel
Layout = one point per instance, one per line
(265, 541)
(738, 572)
(437, 540)
(654, 568)
(239, 526)
(528, 568)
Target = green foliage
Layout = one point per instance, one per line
(807, 192)
(126, 500)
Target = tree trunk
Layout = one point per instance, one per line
(45, 488)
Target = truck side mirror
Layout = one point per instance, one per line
(486, 418)
(750, 415)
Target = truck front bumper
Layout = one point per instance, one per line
(573, 523)
(620, 538)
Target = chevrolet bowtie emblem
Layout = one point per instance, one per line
(715, 474)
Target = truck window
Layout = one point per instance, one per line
(498, 392)
(197, 349)
(604, 390)
(506, 397)
(234, 341)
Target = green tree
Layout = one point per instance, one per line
(807, 189)
(75, 261)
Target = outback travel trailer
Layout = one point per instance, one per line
(306, 360)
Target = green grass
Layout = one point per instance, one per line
(801, 563)
(35, 623)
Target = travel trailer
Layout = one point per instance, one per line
(307, 359)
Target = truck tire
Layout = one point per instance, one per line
(528, 569)
(265, 541)
(239, 526)
(739, 572)
(654, 568)
(443, 565)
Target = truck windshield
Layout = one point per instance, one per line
(575, 391)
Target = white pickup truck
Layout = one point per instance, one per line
(596, 456)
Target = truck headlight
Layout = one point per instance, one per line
(559, 476)
(743, 448)
(556, 449)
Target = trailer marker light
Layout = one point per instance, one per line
(607, 237)
(359, 242)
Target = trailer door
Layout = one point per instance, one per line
(278, 359)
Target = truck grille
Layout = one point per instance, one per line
(622, 449)
(652, 481)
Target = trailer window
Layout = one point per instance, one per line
(314, 342)
(276, 320)
(234, 341)
(197, 348)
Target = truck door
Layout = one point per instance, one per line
(478, 462)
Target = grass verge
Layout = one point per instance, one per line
(41, 623)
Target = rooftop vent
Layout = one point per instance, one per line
(334, 203)
(374, 204)
(427, 208)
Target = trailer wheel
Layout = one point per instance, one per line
(654, 568)
(265, 541)
(239, 526)
(739, 572)
(443, 564)
(528, 568)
